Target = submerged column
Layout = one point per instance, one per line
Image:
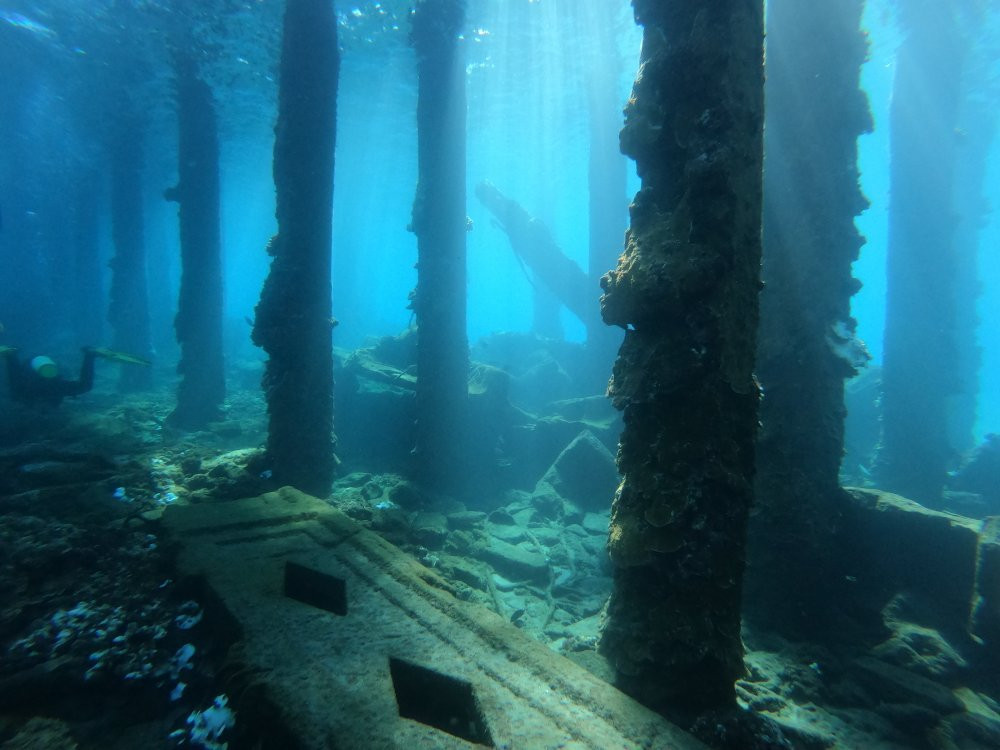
(919, 372)
(129, 307)
(686, 290)
(293, 318)
(88, 315)
(439, 221)
(606, 170)
(978, 126)
(815, 113)
(199, 309)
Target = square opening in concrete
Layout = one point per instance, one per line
(438, 700)
(315, 588)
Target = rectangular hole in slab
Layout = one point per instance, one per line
(316, 589)
(438, 700)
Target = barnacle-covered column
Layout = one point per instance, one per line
(439, 221)
(815, 113)
(199, 310)
(293, 318)
(919, 373)
(128, 311)
(686, 290)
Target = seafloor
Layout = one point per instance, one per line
(104, 646)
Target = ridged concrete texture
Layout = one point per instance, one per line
(344, 641)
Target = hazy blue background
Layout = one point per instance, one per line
(527, 134)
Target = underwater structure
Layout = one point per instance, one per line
(293, 320)
(487, 572)
(128, 310)
(606, 169)
(685, 290)
(918, 373)
(88, 316)
(440, 224)
(816, 111)
(534, 246)
(977, 129)
(199, 309)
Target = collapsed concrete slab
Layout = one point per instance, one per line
(347, 642)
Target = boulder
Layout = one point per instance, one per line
(985, 620)
(513, 561)
(596, 523)
(890, 544)
(466, 519)
(976, 728)
(921, 650)
(584, 474)
(894, 685)
(429, 529)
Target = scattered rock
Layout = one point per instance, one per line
(429, 529)
(892, 544)
(220, 471)
(510, 534)
(466, 519)
(513, 561)
(409, 496)
(42, 734)
(921, 650)
(584, 474)
(372, 491)
(596, 523)
(895, 685)
(977, 728)
(466, 571)
(547, 504)
(354, 479)
(501, 517)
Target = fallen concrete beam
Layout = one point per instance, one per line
(354, 644)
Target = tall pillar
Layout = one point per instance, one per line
(685, 290)
(199, 310)
(918, 374)
(293, 318)
(606, 169)
(978, 131)
(439, 221)
(815, 112)
(128, 312)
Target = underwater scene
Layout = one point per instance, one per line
(522, 374)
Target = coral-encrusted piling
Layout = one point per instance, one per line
(293, 318)
(686, 290)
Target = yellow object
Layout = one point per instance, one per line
(130, 359)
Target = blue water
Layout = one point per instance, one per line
(527, 134)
